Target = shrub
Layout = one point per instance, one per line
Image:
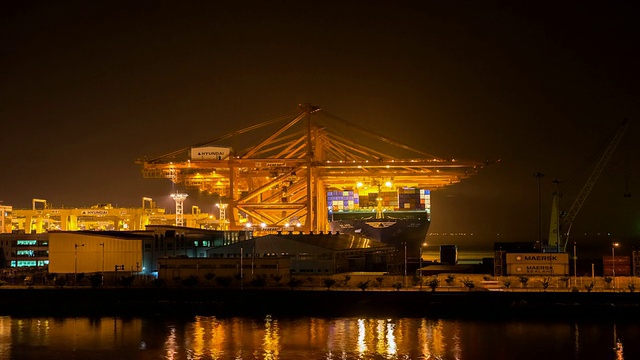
(524, 281)
(450, 279)
(545, 283)
(433, 283)
(589, 286)
(346, 279)
(398, 285)
(506, 282)
(380, 280)
(363, 285)
(328, 283)
(468, 283)
(632, 287)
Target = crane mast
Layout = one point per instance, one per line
(560, 221)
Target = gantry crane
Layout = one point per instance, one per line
(286, 176)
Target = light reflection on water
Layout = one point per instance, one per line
(270, 338)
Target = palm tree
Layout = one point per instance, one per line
(450, 279)
(468, 283)
(433, 283)
(364, 285)
(328, 283)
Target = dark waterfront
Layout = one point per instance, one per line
(211, 337)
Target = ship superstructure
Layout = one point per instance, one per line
(309, 171)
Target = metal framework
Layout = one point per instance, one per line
(179, 199)
(284, 178)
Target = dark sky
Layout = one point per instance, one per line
(89, 86)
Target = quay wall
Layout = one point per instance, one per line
(304, 302)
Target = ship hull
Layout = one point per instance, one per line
(396, 232)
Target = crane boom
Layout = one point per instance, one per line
(555, 238)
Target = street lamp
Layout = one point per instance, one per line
(75, 269)
(405, 263)
(420, 270)
(613, 263)
(102, 244)
(575, 259)
(539, 175)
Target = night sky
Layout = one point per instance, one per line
(88, 87)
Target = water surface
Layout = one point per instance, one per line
(308, 338)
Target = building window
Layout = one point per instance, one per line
(26, 242)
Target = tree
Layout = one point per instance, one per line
(346, 279)
(468, 283)
(632, 287)
(398, 285)
(589, 286)
(450, 279)
(524, 280)
(608, 280)
(380, 280)
(363, 285)
(545, 283)
(433, 283)
(506, 282)
(328, 283)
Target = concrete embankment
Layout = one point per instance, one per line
(287, 302)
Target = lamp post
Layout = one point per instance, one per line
(75, 268)
(102, 244)
(420, 269)
(575, 259)
(613, 264)
(539, 175)
(405, 263)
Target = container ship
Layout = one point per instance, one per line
(395, 217)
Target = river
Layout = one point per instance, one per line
(210, 337)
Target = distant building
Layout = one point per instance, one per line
(19, 250)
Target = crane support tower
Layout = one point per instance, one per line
(562, 222)
(297, 158)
